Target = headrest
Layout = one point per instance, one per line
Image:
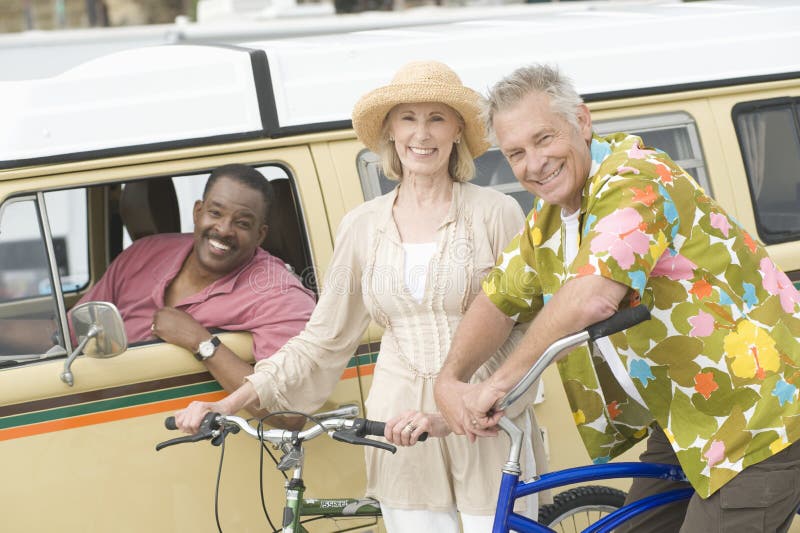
(150, 206)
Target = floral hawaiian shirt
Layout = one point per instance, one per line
(719, 362)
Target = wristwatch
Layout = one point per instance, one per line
(207, 349)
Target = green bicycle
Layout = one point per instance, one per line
(341, 424)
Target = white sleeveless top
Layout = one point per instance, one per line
(415, 271)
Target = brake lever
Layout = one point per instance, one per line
(349, 437)
(188, 438)
(206, 431)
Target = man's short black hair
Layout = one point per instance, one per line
(247, 176)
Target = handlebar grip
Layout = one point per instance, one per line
(372, 427)
(619, 321)
(169, 423)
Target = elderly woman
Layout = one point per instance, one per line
(412, 261)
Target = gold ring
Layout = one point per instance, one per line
(410, 427)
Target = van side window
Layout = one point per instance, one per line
(66, 211)
(42, 236)
(769, 137)
(674, 133)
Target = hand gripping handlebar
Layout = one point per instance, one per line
(215, 426)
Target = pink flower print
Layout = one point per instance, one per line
(702, 325)
(622, 169)
(620, 236)
(637, 153)
(675, 267)
(776, 281)
(720, 222)
(715, 453)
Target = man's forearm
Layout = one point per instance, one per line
(228, 369)
(482, 331)
(580, 303)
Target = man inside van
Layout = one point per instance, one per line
(710, 380)
(177, 286)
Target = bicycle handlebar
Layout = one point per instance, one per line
(352, 430)
(619, 321)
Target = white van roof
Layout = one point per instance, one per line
(173, 96)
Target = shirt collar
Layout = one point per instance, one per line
(166, 271)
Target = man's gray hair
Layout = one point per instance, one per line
(509, 91)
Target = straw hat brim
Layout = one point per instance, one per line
(371, 110)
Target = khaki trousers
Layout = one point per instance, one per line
(762, 498)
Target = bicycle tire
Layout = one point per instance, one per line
(577, 508)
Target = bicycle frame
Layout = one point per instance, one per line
(511, 489)
(298, 507)
(510, 486)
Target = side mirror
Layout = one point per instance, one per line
(100, 332)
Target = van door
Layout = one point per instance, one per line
(86, 452)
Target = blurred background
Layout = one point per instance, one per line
(25, 15)
(22, 15)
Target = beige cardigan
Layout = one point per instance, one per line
(365, 281)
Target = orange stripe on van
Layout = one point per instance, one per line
(355, 371)
(107, 416)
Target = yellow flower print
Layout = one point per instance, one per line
(536, 236)
(778, 445)
(490, 287)
(657, 249)
(579, 417)
(752, 350)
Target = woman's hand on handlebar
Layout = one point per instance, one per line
(188, 419)
(405, 429)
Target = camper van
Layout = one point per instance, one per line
(715, 84)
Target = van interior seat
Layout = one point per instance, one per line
(150, 206)
(285, 238)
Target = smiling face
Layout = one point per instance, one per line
(423, 137)
(549, 156)
(228, 226)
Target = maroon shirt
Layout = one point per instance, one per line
(261, 297)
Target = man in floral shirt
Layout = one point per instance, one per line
(712, 377)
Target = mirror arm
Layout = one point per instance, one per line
(66, 375)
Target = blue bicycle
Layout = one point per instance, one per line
(606, 503)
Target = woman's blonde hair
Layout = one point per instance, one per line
(461, 167)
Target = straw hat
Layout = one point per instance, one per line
(419, 82)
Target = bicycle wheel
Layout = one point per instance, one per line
(575, 509)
